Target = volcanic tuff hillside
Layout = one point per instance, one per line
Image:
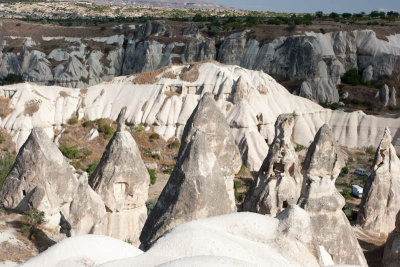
(314, 62)
(250, 100)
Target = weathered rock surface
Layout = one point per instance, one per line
(384, 95)
(320, 198)
(195, 190)
(41, 178)
(319, 60)
(279, 180)
(381, 196)
(122, 181)
(393, 100)
(167, 103)
(391, 255)
(209, 120)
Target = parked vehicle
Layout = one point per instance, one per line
(357, 191)
(360, 171)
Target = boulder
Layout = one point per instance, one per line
(208, 119)
(279, 180)
(391, 254)
(381, 196)
(41, 178)
(122, 181)
(368, 74)
(320, 198)
(195, 190)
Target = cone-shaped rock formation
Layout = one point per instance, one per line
(195, 190)
(122, 181)
(391, 255)
(208, 119)
(381, 197)
(329, 225)
(41, 178)
(279, 180)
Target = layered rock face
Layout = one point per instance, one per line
(41, 178)
(195, 190)
(320, 198)
(319, 60)
(250, 100)
(391, 255)
(381, 197)
(209, 120)
(279, 180)
(122, 181)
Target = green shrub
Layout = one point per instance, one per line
(174, 144)
(11, 79)
(105, 128)
(348, 212)
(2, 139)
(345, 170)
(87, 124)
(352, 77)
(299, 148)
(73, 120)
(71, 152)
(346, 194)
(90, 169)
(237, 184)
(242, 169)
(154, 136)
(153, 177)
(139, 128)
(31, 220)
(150, 205)
(370, 150)
(6, 163)
(169, 170)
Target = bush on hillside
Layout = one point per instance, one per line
(352, 77)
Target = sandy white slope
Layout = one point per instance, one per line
(251, 107)
(86, 250)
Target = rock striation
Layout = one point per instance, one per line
(319, 60)
(195, 190)
(381, 196)
(279, 180)
(391, 254)
(167, 103)
(210, 121)
(122, 181)
(41, 178)
(320, 198)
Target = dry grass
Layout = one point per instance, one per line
(84, 91)
(6, 143)
(170, 94)
(169, 75)
(5, 109)
(190, 74)
(31, 107)
(147, 77)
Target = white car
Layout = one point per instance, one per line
(356, 191)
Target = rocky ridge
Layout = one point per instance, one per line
(250, 100)
(317, 60)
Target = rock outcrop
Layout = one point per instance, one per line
(167, 104)
(41, 178)
(393, 99)
(319, 60)
(391, 255)
(122, 181)
(320, 198)
(195, 190)
(384, 95)
(208, 119)
(279, 180)
(381, 197)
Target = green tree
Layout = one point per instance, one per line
(31, 220)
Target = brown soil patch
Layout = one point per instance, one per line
(169, 75)
(5, 109)
(146, 77)
(31, 107)
(190, 74)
